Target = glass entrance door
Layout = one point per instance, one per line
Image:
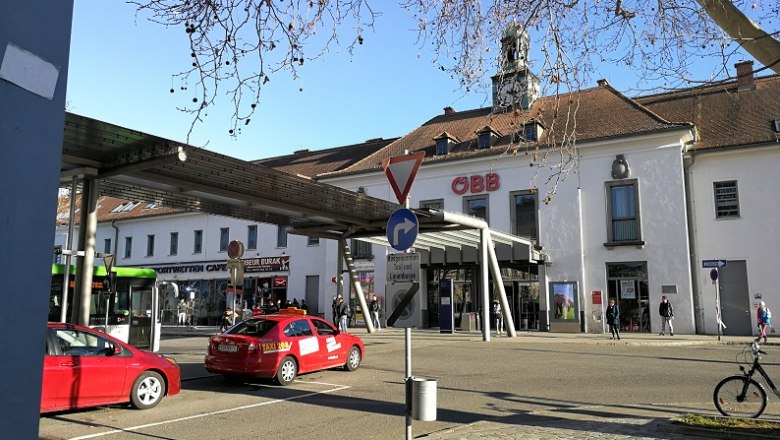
(627, 285)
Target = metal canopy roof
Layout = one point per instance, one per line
(136, 166)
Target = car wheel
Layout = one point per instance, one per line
(353, 359)
(288, 369)
(148, 390)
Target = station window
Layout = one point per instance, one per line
(524, 214)
(281, 236)
(150, 245)
(251, 237)
(476, 206)
(174, 249)
(197, 242)
(128, 247)
(224, 238)
(623, 212)
(726, 199)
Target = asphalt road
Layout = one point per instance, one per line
(531, 380)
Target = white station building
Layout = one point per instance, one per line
(671, 194)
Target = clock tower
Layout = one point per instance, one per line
(514, 86)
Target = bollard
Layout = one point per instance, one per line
(423, 399)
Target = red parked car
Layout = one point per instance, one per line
(84, 367)
(281, 346)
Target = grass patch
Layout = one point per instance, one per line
(752, 426)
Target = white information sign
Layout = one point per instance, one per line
(403, 268)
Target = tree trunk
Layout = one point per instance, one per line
(762, 46)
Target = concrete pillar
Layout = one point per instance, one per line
(34, 50)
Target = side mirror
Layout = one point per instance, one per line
(117, 350)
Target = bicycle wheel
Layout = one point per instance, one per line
(740, 396)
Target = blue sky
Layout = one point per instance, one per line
(121, 68)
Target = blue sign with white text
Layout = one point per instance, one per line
(402, 229)
(706, 264)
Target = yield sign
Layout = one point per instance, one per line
(401, 171)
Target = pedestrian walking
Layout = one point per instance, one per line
(667, 315)
(764, 319)
(613, 319)
(373, 307)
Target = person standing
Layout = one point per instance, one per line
(228, 319)
(335, 306)
(182, 312)
(498, 318)
(373, 307)
(667, 315)
(613, 319)
(764, 319)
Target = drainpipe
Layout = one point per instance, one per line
(688, 161)
(116, 237)
(582, 297)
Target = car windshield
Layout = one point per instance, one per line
(252, 327)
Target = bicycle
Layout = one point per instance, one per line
(740, 395)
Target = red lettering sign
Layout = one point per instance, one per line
(460, 185)
(476, 183)
(493, 182)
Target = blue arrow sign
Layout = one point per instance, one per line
(706, 264)
(402, 229)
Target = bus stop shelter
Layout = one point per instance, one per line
(103, 159)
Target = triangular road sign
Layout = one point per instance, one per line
(401, 171)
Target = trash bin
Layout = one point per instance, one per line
(423, 399)
(468, 322)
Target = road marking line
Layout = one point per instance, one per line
(197, 416)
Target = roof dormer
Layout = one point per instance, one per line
(486, 136)
(444, 142)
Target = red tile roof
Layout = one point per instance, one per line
(724, 116)
(588, 115)
(311, 163)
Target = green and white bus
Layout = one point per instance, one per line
(129, 310)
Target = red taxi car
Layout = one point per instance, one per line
(281, 346)
(84, 367)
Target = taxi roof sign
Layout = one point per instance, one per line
(401, 171)
(292, 311)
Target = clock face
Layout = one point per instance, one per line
(509, 92)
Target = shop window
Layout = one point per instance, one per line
(313, 241)
(623, 226)
(726, 199)
(150, 245)
(174, 247)
(251, 237)
(224, 238)
(197, 244)
(524, 214)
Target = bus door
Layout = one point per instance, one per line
(142, 317)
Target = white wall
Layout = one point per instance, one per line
(753, 236)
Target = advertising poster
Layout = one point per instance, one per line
(564, 301)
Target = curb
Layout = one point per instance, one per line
(673, 427)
